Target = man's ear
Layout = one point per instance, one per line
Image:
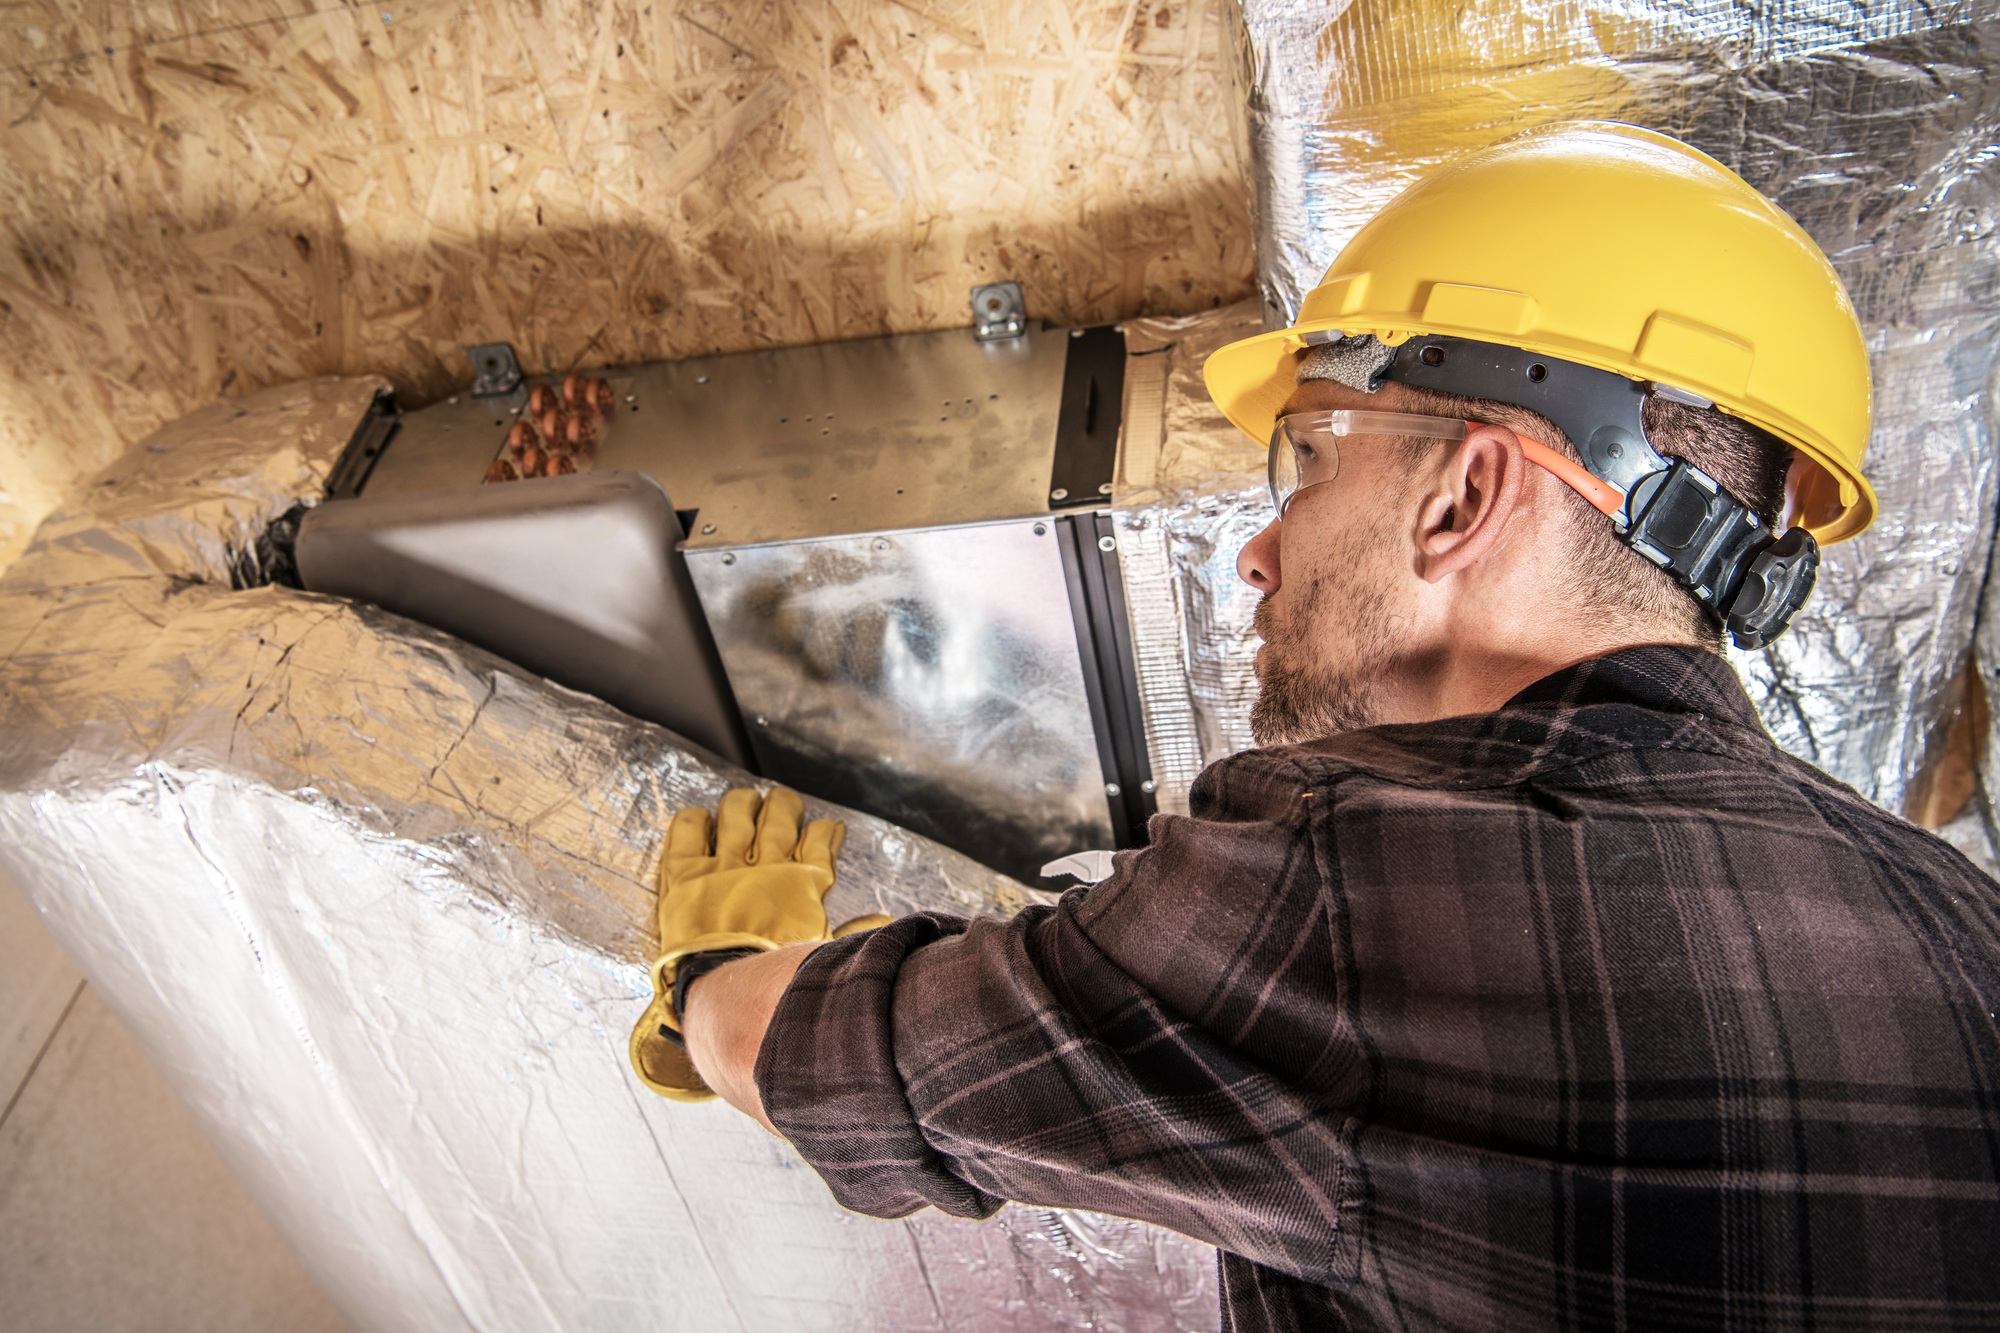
(1468, 509)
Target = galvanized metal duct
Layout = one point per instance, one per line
(377, 904)
(1877, 127)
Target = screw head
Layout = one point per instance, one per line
(1111, 789)
(707, 529)
(1107, 543)
(1104, 488)
(728, 559)
(1041, 529)
(1149, 786)
(1058, 494)
(1076, 333)
(881, 543)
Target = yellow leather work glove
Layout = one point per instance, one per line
(752, 881)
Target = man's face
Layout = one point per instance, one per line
(1333, 574)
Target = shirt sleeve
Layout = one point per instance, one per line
(1135, 1049)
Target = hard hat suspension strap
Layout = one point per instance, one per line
(1674, 515)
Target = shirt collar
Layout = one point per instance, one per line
(1668, 678)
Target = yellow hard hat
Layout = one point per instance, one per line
(1617, 248)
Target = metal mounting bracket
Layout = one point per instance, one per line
(998, 311)
(495, 369)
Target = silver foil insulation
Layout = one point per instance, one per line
(378, 906)
(1877, 127)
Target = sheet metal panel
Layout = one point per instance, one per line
(932, 677)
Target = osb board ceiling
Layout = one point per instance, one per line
(214, 195)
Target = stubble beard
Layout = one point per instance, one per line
(1321, 672)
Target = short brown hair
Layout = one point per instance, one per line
(1747, 462)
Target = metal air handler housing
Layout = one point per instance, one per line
(880, 571)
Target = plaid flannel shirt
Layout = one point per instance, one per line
(1597, 1011)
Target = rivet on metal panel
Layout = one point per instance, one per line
(1041, 529)
(1058, 494)
(728, 559)
(1149, 786)
(707, 529)
(881, 543)
(1076, 333)
(1107, 543)
(1111, 789)
(701, 379)
(1104, 488)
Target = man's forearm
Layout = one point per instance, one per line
(724, 1020)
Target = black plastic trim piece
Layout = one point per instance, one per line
(365, 447)
(1602, 413)
(1110, 678)
(1093, 400)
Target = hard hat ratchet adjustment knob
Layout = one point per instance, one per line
(1717, 548)
(1776, 585)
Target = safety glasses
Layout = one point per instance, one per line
(1305, 451)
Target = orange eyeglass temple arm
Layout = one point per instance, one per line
(1602, 494)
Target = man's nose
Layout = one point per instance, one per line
(1257, 562)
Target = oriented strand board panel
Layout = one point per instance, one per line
(208, 196)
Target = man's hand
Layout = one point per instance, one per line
(752, 881)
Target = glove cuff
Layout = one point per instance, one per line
(668, 963)
(692, 968)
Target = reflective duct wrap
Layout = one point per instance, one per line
(1191, 491)
(1877, 127)
(378, 905)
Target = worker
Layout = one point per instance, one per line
(1517, 980)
